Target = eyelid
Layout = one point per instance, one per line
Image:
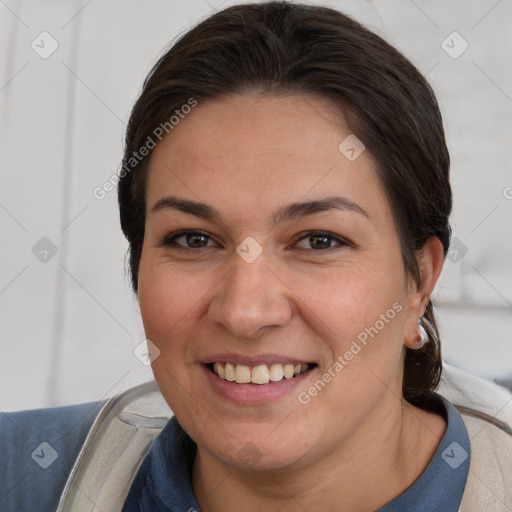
(340, 240)
(170, 239)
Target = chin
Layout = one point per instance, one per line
(250, 457)
(259, 452)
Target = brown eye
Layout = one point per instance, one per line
(318, 241)
(188, 240)
(194, 240)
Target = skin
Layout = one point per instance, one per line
(357, 444)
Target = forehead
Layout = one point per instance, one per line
(248, 151)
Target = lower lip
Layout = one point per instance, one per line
(253, 394)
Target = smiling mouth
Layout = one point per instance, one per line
(259, 374)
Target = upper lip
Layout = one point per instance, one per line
(252, 360)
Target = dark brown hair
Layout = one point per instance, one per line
(288, 48)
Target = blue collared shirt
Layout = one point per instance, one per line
(163, 482)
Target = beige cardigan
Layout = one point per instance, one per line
(123, 432)
(487, 413)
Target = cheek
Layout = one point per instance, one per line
(170, 302)
(350, 301)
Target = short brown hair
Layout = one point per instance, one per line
(289, 48)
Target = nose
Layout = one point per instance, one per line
(251, 299)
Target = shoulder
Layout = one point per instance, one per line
(37, 451)
(477, 396)
(112, 452)
(486, 410)
(57, 458)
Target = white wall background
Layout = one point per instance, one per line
(69, 325)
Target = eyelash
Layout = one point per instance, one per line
(170, 240)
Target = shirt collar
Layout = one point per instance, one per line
(164, 480)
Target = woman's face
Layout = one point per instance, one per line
(297, 261)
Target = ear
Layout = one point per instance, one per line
(430, 260)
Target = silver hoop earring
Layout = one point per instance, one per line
(423, 335)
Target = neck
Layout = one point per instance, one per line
(362, 474)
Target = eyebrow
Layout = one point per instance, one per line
(292, 211)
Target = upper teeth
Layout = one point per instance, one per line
(260, 374)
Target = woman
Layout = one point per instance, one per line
(285, 194)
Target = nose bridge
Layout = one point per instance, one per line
(250, 298)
